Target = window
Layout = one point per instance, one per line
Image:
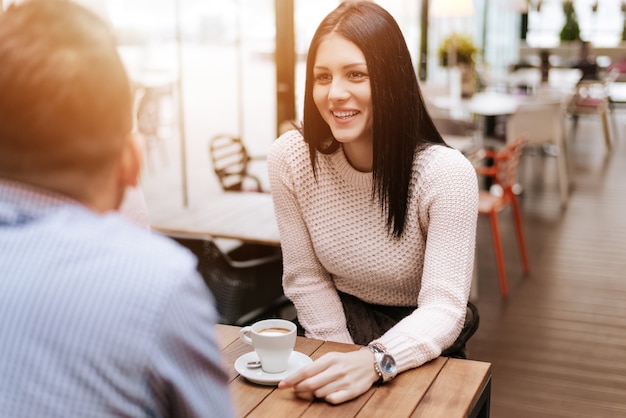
(601, 22)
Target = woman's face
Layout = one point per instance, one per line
(341, 90)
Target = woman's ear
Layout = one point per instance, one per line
(131, 162)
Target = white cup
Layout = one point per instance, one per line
(273, 340)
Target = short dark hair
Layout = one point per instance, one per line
(401, 123)
(65, 97)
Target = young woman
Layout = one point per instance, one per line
(377, 215)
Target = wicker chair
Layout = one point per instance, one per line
(246, 281)
(230, 159)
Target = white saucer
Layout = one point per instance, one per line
(296, 361)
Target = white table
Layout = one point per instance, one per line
(481, 104)
(617, 92)
(493, 104)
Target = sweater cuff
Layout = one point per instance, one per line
(339, 337)
(406, 354)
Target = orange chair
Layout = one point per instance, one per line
(503, 173)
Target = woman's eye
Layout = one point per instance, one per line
(322, 77)
(356, 75)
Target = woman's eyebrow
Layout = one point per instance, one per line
(356, 64)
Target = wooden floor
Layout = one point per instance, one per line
(558, 341)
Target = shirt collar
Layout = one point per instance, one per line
(21, 202)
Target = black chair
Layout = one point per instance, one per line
(230, 160)
(246, 281)
(464, 135)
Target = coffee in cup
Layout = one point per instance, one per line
(274, 331)
(273, 340)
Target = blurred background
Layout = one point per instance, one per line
(220, 68)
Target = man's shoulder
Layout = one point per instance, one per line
(130, 241)
(122, 248)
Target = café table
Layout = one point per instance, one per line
(244, 216)
(617, 90)
(480, 104)
(443, 387)
(483, 107)
(492, 104)
(617, 94)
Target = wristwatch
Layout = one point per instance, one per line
(384, 364)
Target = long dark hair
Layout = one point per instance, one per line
(401, 123)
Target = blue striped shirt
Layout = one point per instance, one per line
(100, 318)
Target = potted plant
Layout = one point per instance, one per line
(464, 48)
(462, 44)
(571, 29)
(624, 15)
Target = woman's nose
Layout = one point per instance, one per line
(338, 90)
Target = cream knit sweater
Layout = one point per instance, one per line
(334, 236)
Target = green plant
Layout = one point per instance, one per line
(570, 30)
(464, 46)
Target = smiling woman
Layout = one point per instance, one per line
(357, 189)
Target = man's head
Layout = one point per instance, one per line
(65, 100)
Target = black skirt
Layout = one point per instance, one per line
(367, 322)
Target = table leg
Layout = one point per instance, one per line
(482, 407)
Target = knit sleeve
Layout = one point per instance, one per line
(447, 192)
(305, 281)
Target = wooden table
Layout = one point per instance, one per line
(444, 387)
(245, 216)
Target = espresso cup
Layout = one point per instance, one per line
(273, 340)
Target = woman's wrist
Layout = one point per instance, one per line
(370, 360)
(384, 363)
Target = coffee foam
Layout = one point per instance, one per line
(274, 331)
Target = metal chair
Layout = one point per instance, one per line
(230, 159)
(591, 98)
(542, 123)
(246, 281)
(503, 172)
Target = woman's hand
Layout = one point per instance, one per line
(334, 377)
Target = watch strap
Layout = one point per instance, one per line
(379, 352)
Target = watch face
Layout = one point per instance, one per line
(388, 364)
